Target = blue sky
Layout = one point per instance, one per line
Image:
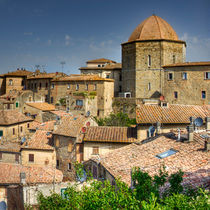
(46, 32)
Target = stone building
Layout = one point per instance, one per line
(187, 83)
(67, 138)
(15, 80)
(99, 140)
(152, 44)
(40, 82)
(13, 125)
(105, 68)
(81, 91)
(38, 150)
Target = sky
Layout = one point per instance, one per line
(48, 32)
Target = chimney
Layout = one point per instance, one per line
(158, 128)
(192, 119)
(207, 123)
(190, 133)
(207, 144)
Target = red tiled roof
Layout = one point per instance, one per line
(40, 140)
(7, 146)
(172, 114)
(42, 106)
(81, 77)
(110, 66)
(9, 117)
(110, 134)
(46, 126)
(71, 125)
(10, 174)
(101, 60)
(46, 75)
(190, 158)
(202, 63)
(19, 73)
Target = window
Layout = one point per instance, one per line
(21, 129)
(207, 75)
(34, 85)
(120, 88)
(51, 100)
(57, 163)
(174, 59)
(149, 86)
(80, 148)
(95, 151)
(0, 155)
(40, 85)
(69, 166)
(203, 95)
(52, 86)
(17, 158)
(31, 157)
(70, 147)
(46, 85)
(120, 77)
(184, 76)
(107, 76)
(28, 125)
(86, 87)
(167, 153)
(79, 102)
(13, 131)
(175, 94)
(57, 143)
(95, 86)
(103, 65)
(46, 98)
(10, 82)
(99, 65)
(1, 132)
(149, 60)
(68, 86)
(77, 87)
(170, 76)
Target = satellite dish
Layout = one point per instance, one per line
(198, 122)
(87, 114)
(83, 129)
(151, 130)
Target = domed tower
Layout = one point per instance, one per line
(152, 44)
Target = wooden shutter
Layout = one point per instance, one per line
(31, 157)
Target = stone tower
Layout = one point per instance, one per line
(152, 44)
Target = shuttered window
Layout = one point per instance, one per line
(31, 157)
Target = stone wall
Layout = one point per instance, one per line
(189, 91)
(10, 157)
(41, 157)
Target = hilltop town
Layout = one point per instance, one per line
(49, 122)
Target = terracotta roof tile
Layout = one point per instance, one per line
(190, 158)
(19, 73)
(10, 174)
(42, 106)
(110, 134)
(202, 63)
(71, 125)
(80, 77)
(172, 114)
(101, 60)
(7, 146)
(40, 140)
(46, 126)
(46, 75)
(9, 117)
(110, 66)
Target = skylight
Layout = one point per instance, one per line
(166, 153)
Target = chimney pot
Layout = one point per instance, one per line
(190, 133)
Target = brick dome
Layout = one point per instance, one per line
(153, 27)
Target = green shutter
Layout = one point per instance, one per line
(17, 104)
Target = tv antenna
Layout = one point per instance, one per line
(62, 64)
